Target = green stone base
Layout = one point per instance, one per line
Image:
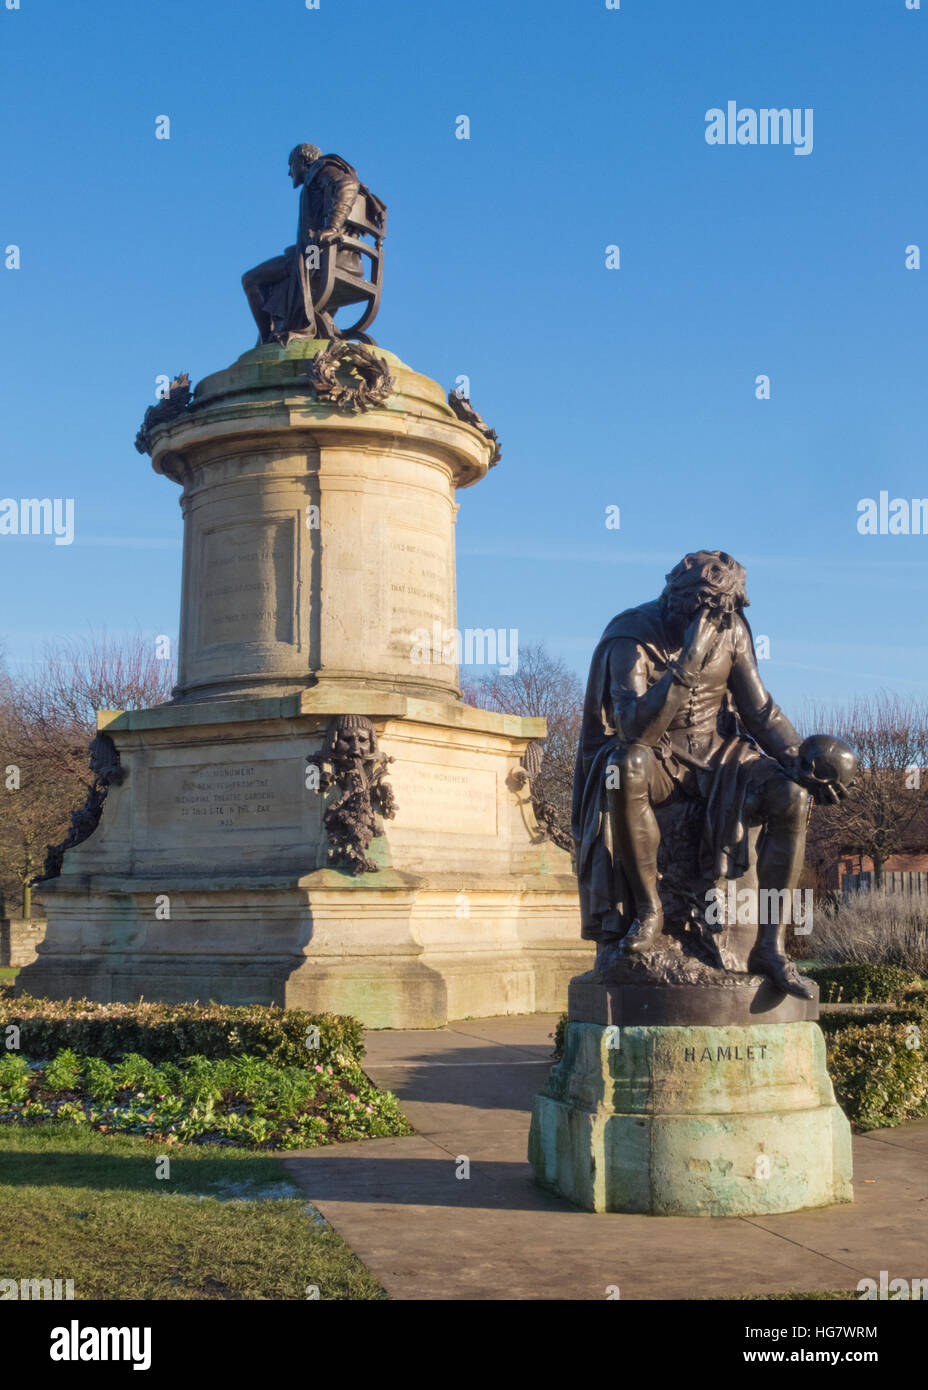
(692, 1121)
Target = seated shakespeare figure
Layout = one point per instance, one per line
(340, 225)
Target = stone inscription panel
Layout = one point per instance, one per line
(246, 583)
(256, 799)
(420, 585)
(445, 800)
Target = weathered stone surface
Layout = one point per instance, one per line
(207, 877)
(315, 542)
(19, 938)
(692, 1121)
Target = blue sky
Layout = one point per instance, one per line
(633, 387)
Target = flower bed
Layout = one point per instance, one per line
(246, 1100)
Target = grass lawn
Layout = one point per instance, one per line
(227, 1224)
(8, 974)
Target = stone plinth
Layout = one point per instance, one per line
(318, 548)
(692, 1121)
(315, 541)
(19, 939)
(207, 876)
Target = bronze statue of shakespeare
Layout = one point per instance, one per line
(337, 259)
(676, 712)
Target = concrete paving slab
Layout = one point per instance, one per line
(886, 1227)
(447, 1126)
(913, 1135)
(428, 1233)
(511, 1029)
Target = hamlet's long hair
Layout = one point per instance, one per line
(712, 576)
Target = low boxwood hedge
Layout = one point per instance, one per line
(880, 1073)
(835, 1018)
(166, 1032)
(855, 983)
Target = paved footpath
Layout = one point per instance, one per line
(467, 1089)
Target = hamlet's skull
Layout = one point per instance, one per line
(826, 762)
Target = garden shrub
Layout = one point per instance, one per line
(559, 1035)
(836, 1019)
(872, 928)
(880, 1077)
(162, 1032)
(862, 983)
(247, 1100)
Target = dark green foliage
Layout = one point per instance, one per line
(835, 1020)
(560, 1033)
(247, 1101)
(880, 1073)
(165, 1032)
(857, 983)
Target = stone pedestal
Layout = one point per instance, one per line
(692, 1120)
(316, 544)
(316, 540)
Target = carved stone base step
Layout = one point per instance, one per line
(209, 875)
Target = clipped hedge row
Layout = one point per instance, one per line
(166, 1032)
(835, 1020)
(857, 983)
(880, 1073)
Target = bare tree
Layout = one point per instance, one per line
(38, 790)
(889, 804)
(542, 687)
(80, 675)
(47, 719)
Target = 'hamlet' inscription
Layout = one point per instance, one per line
(726, 1054)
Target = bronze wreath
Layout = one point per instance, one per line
(374, 386)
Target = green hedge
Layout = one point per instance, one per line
(880, 1077)
(559, 1035)
(855, 983)
(166, 1032)
(835, 1020)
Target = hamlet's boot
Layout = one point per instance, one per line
(637, 841)
(607, 951)
(768, 957)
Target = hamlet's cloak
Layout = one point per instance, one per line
(723, 779)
